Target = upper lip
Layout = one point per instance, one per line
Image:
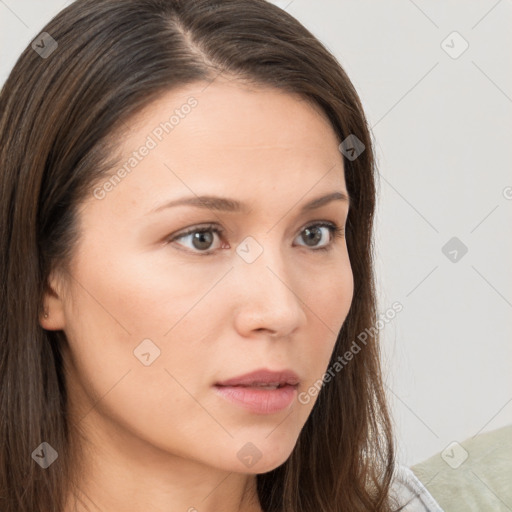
(263, 376)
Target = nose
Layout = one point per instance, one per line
(268, 297)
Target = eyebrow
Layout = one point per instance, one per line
(232, 205)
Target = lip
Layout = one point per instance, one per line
(244, 390)
(259, 401)
(263, 376)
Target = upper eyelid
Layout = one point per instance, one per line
(221, 230)
(215, 227)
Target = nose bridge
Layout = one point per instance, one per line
(263, 261)
(269, 294)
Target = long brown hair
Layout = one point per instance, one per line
(58, 116)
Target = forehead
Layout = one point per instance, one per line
(227, 137)
(232, 114)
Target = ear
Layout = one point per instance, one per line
(53, 304)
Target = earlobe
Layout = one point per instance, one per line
(43, 321)
(52, 318)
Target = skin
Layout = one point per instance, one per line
(158, 437)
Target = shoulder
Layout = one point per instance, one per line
(410, 493)
(475, 474)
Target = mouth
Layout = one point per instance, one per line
(278, 385)
(263, 378)
(262, 391)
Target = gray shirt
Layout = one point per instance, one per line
(411, 493)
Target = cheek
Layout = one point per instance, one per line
(152, 402)
(136, 314)
(329, 295)
(131, 296)
(327, 307)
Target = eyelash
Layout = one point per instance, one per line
(335, 230)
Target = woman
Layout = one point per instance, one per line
(200, 355)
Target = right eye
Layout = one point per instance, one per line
(202, 238)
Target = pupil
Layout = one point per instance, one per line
(200, 237)
(317, 235)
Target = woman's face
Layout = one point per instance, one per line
(155, 321)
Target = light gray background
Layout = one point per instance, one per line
(443, 128)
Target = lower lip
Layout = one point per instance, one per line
(257, 400)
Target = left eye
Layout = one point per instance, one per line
(202, 238)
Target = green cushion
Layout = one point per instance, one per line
(474, 475)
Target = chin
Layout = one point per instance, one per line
(254, 460)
